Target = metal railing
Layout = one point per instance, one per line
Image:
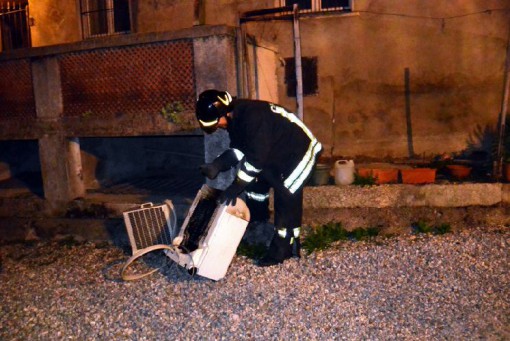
(306, 7)
(312, 6)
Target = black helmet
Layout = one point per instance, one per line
(211, 105)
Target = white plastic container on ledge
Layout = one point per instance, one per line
(344, 172)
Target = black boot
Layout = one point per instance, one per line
(296, 248)
(279, 250)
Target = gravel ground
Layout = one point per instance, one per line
(410, 287)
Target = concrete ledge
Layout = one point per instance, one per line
(391, 208)
(20, 204)
(28, 229)
(195, 32)
(394, 220)
(451, 195)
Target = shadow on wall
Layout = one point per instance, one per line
(480, 151)
(483, 138)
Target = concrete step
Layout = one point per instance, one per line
(391, 208)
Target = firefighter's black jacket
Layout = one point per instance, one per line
(272, 141)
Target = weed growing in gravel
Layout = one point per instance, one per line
(423, 227)
(323, 236)
(319, 238)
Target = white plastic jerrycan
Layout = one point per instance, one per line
(344, 172)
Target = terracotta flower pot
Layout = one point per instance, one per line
(459, 172)
(418, 175)
(364, 172)
(381, 175)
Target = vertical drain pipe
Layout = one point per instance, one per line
(297, 58)
(409, 122)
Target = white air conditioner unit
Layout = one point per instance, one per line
(205, 244)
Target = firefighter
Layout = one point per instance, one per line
(274, 149)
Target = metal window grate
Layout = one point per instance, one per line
(16, 91)
(139, 79)
(310, 6)
(105, 17)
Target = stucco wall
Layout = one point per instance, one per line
(266, 80)
(164, 15)
(55, 22)
(456, 67)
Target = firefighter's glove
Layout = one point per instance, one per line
(209, 170)
(229, 196)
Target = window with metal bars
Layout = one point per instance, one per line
(309, 76)
(320, 5)
(104, 17)
(15, 31)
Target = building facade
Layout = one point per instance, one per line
(381, 79)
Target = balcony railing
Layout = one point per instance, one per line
(306, 7)
(312, 6)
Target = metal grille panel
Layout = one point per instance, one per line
(148, 227)
(138, 79)
(16, 91)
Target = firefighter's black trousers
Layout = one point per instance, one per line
(288, 208)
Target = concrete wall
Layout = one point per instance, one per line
(456, 68)
(217, 71)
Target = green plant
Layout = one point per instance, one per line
(423, 227)
(171, 111)
(323, 236)
(362, 234)
(443, 228)
(364, 180)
